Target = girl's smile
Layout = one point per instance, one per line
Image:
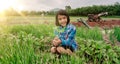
(62, 19)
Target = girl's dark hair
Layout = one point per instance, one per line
(61, 12)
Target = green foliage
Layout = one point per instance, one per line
(36, 30)
(30, 44)
(85, 33)
(115, 35)
(95, 9)
(17, 49)
(97, 52)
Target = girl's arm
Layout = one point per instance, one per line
(69, 39)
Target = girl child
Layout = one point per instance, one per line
(64, 42)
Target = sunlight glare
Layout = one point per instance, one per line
(5, 4)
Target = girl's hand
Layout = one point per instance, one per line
(56, 41)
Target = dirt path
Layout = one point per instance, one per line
(106, 38)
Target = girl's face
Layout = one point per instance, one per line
(62, 19)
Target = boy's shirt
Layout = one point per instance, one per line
(67, 35)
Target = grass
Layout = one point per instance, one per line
(31, 43)
(23, 48)
(86, 33)
(17, 49)
(36, 30)
(115, 35)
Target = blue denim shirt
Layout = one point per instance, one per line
(67, 35)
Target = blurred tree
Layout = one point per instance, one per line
(67, 8)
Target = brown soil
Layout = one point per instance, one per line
(102, 24)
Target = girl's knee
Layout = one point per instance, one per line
(53, 49)
(60, 49)
(69, 52)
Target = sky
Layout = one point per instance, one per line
(46, 5)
